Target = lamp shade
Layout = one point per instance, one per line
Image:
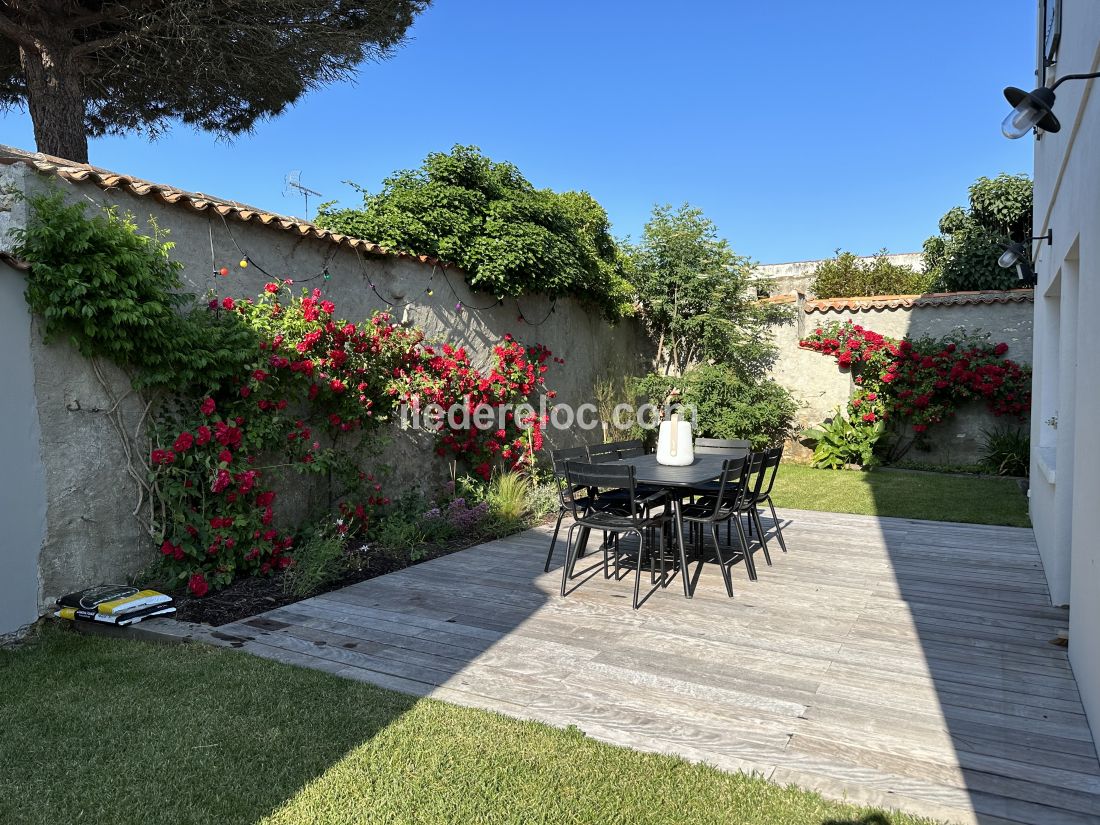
(1013, 253)
(1029, 110)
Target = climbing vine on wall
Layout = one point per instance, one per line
(240, 391)
(924, 381)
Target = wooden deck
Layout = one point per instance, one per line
(899, 663)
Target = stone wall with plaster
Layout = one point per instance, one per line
(91, 535)
(821, 387)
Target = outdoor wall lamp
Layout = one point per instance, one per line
(1034, 109)
(1016, 255)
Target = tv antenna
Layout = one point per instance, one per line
(294, 181)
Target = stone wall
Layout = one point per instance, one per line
(90, 533)
(820, 386)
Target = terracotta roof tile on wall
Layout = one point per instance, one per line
(195, 201)
(935, 299)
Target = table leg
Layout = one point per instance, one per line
(684, 572)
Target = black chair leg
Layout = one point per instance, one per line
(746, 550)
(570, 555)
(763, 538)
(638, 570)
(778, 529)
(721, 561)
(554, 541)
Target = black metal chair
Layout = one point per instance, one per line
(602, 453)
(755, 473)
(635, 519)
(629, 449)
(614, 451)
(722, 446)
(770, 469)
(723, 506)
(566, 494)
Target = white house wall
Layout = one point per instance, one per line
(1065, 500)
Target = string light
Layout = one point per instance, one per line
(391, 304)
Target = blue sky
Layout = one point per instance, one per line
(798, 126)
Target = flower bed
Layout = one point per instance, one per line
(315, 388)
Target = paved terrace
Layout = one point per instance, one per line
(899, 663)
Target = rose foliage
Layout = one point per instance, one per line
(317, 385)
(921, 382)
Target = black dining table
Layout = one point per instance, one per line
(678, 481)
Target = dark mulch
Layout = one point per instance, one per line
(247, 597)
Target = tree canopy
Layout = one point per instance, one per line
(695, 298)
(964, 255)
(94, 67)
(485, 216)
(848, 275)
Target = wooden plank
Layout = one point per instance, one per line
(893, 661)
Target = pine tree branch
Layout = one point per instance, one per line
(16, 33)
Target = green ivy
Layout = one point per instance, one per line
(509, 237)
(116, 294)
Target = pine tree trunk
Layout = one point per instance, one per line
(55, 98)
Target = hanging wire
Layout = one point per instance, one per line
(529, 322)
(460, 305)
(248, 260)
(390, 302)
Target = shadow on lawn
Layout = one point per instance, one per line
(870, 819)
(180, 733)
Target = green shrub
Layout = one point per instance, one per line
(839, 442)
(1007, 451)
(115, 293)
(509, 237)
(846, 275)
(509, 494)
(728, 406)
(401, 535)
(318, 560)
(964, 255)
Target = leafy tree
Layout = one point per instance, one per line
(95, 67)
(694, 296)
(727, 405)
(964, 255)
(508, 236)
(846, 275)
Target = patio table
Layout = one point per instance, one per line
(677, 481)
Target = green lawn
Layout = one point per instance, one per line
(935, 496)
(100, 730)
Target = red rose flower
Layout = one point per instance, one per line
(271, 288)
(869, 417)
(227, 303)
(184, 442)
(198, 585)
(225, 456)
(207, 407)
(202, 435)
(1000, 349)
